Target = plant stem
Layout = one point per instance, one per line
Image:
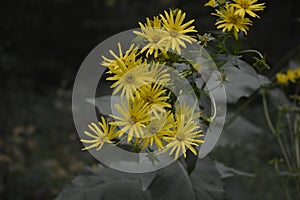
(276, 166)
(274, 132)
(297, 151)
(252, 51)
(298, 187)
(267, 115)
(285, 190)
(297, 145)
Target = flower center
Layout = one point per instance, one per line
(149, 99)
(102, 138)
(129, 78)
(174, 33)
(234, 19)
(153, 129)
(180, 137)
(156, 39)
(133, 120)
(244, 4)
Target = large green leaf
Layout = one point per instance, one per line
(172, 182)
(206, 181)
(241, 80)
(227, 172)
(234, 135)
(103, 184)
(105, 104)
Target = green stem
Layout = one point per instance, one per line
(283, 150)
(296, 93)
(288, 119)
(297, 151)
(274, 132)
(298, 188)
(276, 166)
(252, 51)
(215, 108)
(267, 115)
(297, 145)
(286, 190)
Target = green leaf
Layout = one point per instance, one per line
(171, 182)
(241, 80)
(105, 184)
(227, 172)
(233, 135)
(105, 104)
(206, 181)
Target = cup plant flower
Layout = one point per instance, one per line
(148, 117)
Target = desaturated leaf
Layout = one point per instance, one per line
(241, 80)
(171, 182)
(206, 181)
(227, 172)
(233, 134)
(105, 184)
(105, 104)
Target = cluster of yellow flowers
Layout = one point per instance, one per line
(291, 75)
(234, 15)
(166, 32)
(146, 117)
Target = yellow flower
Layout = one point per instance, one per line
(184, 135)
(297, 72)
(128, 59)
(159, 72)
(102, 135)
(188, 112)
(156, 131)
(282, 78)
(247, 6)
(229, 21)
(153, 96)
(130, 80)
(291, 74)
(176, 30)
(132, 117)
(211, 3)
(153, 33)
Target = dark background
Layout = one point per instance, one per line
(42, 44)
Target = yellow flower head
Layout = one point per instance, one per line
(230, 21)
(153, 33)
(282, 78)
(297, 72)
(101, 135)
(131, 118)
(129, 81)
(247, 6)
(117, 64)
(291, 74)
(211, 3)
(159, 72)
(188, 112)
(154, 96)
(184, 135)
(156, 131)
(176, 30)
